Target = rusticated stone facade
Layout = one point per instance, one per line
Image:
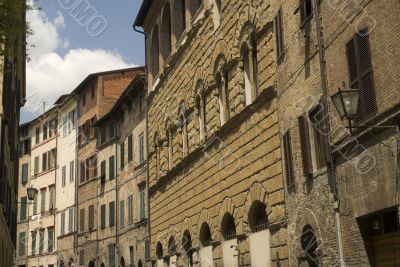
(215, 174)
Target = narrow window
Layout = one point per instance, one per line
(170, 150)
(81, 257)
(247, 79)
(361, 74)
(24, 173)
(36, 167)
(130, 148)
(63, 176)
(166, 32)
(21, 247)
(288, 155)
(141, 148)
(223, 97)
(142, 202)
(35, 205)
(44, 162)
(42, 200)
(37, 135)
(41, 241)
(122, 213)
(185, 148)
(111, 168)
(52, 198)
(130, 209)
(91, 217)
(111, 255)
(122, 152)
(82, 220)
(62, 230)
(103, 216)
(155, 53)
(111, 219)
(45, 131)
(305, 145)
(23, 211)
(34, 243)
(278, 24)
(71, 219)
(50, 239)
(131, 256)
(306, 11)
(180, 18)
(72, 171)
(103, 171)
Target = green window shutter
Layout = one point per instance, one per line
(122, 213)
(130, 148)
(122, 150)
(111, 215)
(41, 241)
(111, 166)
(24, 173)
(62, 223)
(111, 255)
(130, 206)
(141, 148)
(43, 200)
(142, 204)
(22, 215)
(103, 216)
(36, 170)
(71, 171)
(50, 240)
(71, 219)
(103, 170)
(21, 247)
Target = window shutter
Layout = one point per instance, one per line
(112, 211)
(112, 168)
(103, 216)
(103, 170)
(289, 170)
(82, 220)
(305, 145)
(279, 34)
(91, 217)
(121, 213)
(302, 9)
(361, 74)
(323, 119)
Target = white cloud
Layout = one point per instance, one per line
(50, 74)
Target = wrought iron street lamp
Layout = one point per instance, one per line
(31, 192)
(346, 103)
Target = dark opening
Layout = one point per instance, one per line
(258, 219)
(228, 227)
(171, 246)
(159, 251)
(309, 245)
(205, 235)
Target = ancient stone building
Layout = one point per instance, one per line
(97, 94)
(215, 175)
(122, 199)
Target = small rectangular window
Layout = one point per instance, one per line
(91, 217)
(71, 219)
(141, 148)
(44, 162)
(23, 211)
(82, 257)
(50, 239)
(24, 173)
(288, 155)
(111, 214)
(111, 255)
(111, 168)
(21, 247)
(37, 135)
(45, 127)
(142, 202)
(42, 200)
(130, 209)
(63, 176)
(33, 243)
(130, 148)
(103, 216)
(103, 170)
(306, 11)
(82, 220)
(41, 241)
(278, 23)
(122, 152)
(62, 230)
(36, 167)
(122, 213)
(72, 171)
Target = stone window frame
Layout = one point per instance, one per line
(201, 103)
(179, 12)
(221, 77)
(183, 121)
(166, 31)
(155, 52)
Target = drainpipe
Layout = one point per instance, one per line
(324, 85)
(147, 142)
(116, 191)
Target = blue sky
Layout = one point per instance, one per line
(65, 49)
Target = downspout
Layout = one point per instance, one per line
(116, 190)
(147, 142)
(324, 85)
(76, 98)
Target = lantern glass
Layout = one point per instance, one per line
(31, 193)
(346, 102)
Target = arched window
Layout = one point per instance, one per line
(222, 84)
(157, 155)
(184, 133)
(205, 235)
(122, 262)
(228, 228)
(155, 53)
(170, 148)
(194, 6)
(258, 219)
(250, 68)
(166, 31)
(187, 246)
(159, 251)
(140, 264)
(309, 244)
(201, 116)
(180, 17)
(171, 246)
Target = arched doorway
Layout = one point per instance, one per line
(160, 255)
(309, 244)
(230, 249)
(122, 262)
(140, 263)
(206, 250)
(260, 251)
(102, 265)
(91, 264)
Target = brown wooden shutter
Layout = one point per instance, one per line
(324, 129)
(305, 145)
(91, 217)
(82, 220)
(361, 74)
(278, 22)
(289, 170)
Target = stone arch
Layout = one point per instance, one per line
(227, 206)
(256, 193)
(166, 31)
(186, 225)
(155, 52)
(205, 217)
(245, 26)
(221, 55)
(159, 250)
(160, 240)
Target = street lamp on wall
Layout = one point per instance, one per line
(346, 103)
(31, 192)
